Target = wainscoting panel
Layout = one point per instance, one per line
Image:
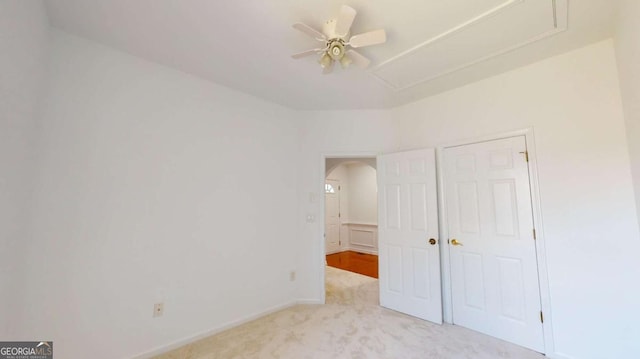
(363, 237)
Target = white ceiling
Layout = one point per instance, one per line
(432, 46)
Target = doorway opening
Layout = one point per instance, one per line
(351, 217)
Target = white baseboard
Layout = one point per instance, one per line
(359, 250)
(216, 330)
(362, 250)
(558, 356)
(309, 301)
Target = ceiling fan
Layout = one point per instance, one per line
(338, 44)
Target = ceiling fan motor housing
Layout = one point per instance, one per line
(336, 49)
(335, 44)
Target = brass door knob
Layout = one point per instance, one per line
(432, 241)
(455, 242)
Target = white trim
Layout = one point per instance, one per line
(336, 251)
(560, 17)
(485, 138)
(545, 297)
(360, 224)
(543, 277)
(440, 37)
(358, 250)
(321, 248)
(363, 250)
(445, 265)
(559, 356)
(309, 302)
(207, 333)
(370, 231)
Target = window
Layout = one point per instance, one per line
(328, 188)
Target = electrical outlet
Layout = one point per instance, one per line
(158, 310)
(292, 275)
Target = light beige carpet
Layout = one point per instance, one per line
(351, 326)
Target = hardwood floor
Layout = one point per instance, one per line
(365, 264)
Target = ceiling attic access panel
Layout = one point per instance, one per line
(501, 28)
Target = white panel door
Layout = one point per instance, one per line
(409, 264)
(332, 216)
(494, 270)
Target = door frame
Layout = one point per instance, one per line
(321, 249)
(545, 298)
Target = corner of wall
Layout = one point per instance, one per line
(627, 51)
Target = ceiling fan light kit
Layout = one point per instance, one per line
(336, 38)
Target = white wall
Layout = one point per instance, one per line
(361, 227)
(334, 134)
(590, 226)
(627, 41)
(363, 193)
(573, 103)
(154, 186)
(24, 31)
(358, 194)
(332, 163)
(358, 202)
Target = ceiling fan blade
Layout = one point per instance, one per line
(309, 31)
(306, 53)
(358, 59)
(368, 38)
(328, 69)
(344, 21)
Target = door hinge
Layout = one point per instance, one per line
(339, 243)
(338, 215)
(534, 234)
(339, 188)
(541, 317)
(526, 155)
